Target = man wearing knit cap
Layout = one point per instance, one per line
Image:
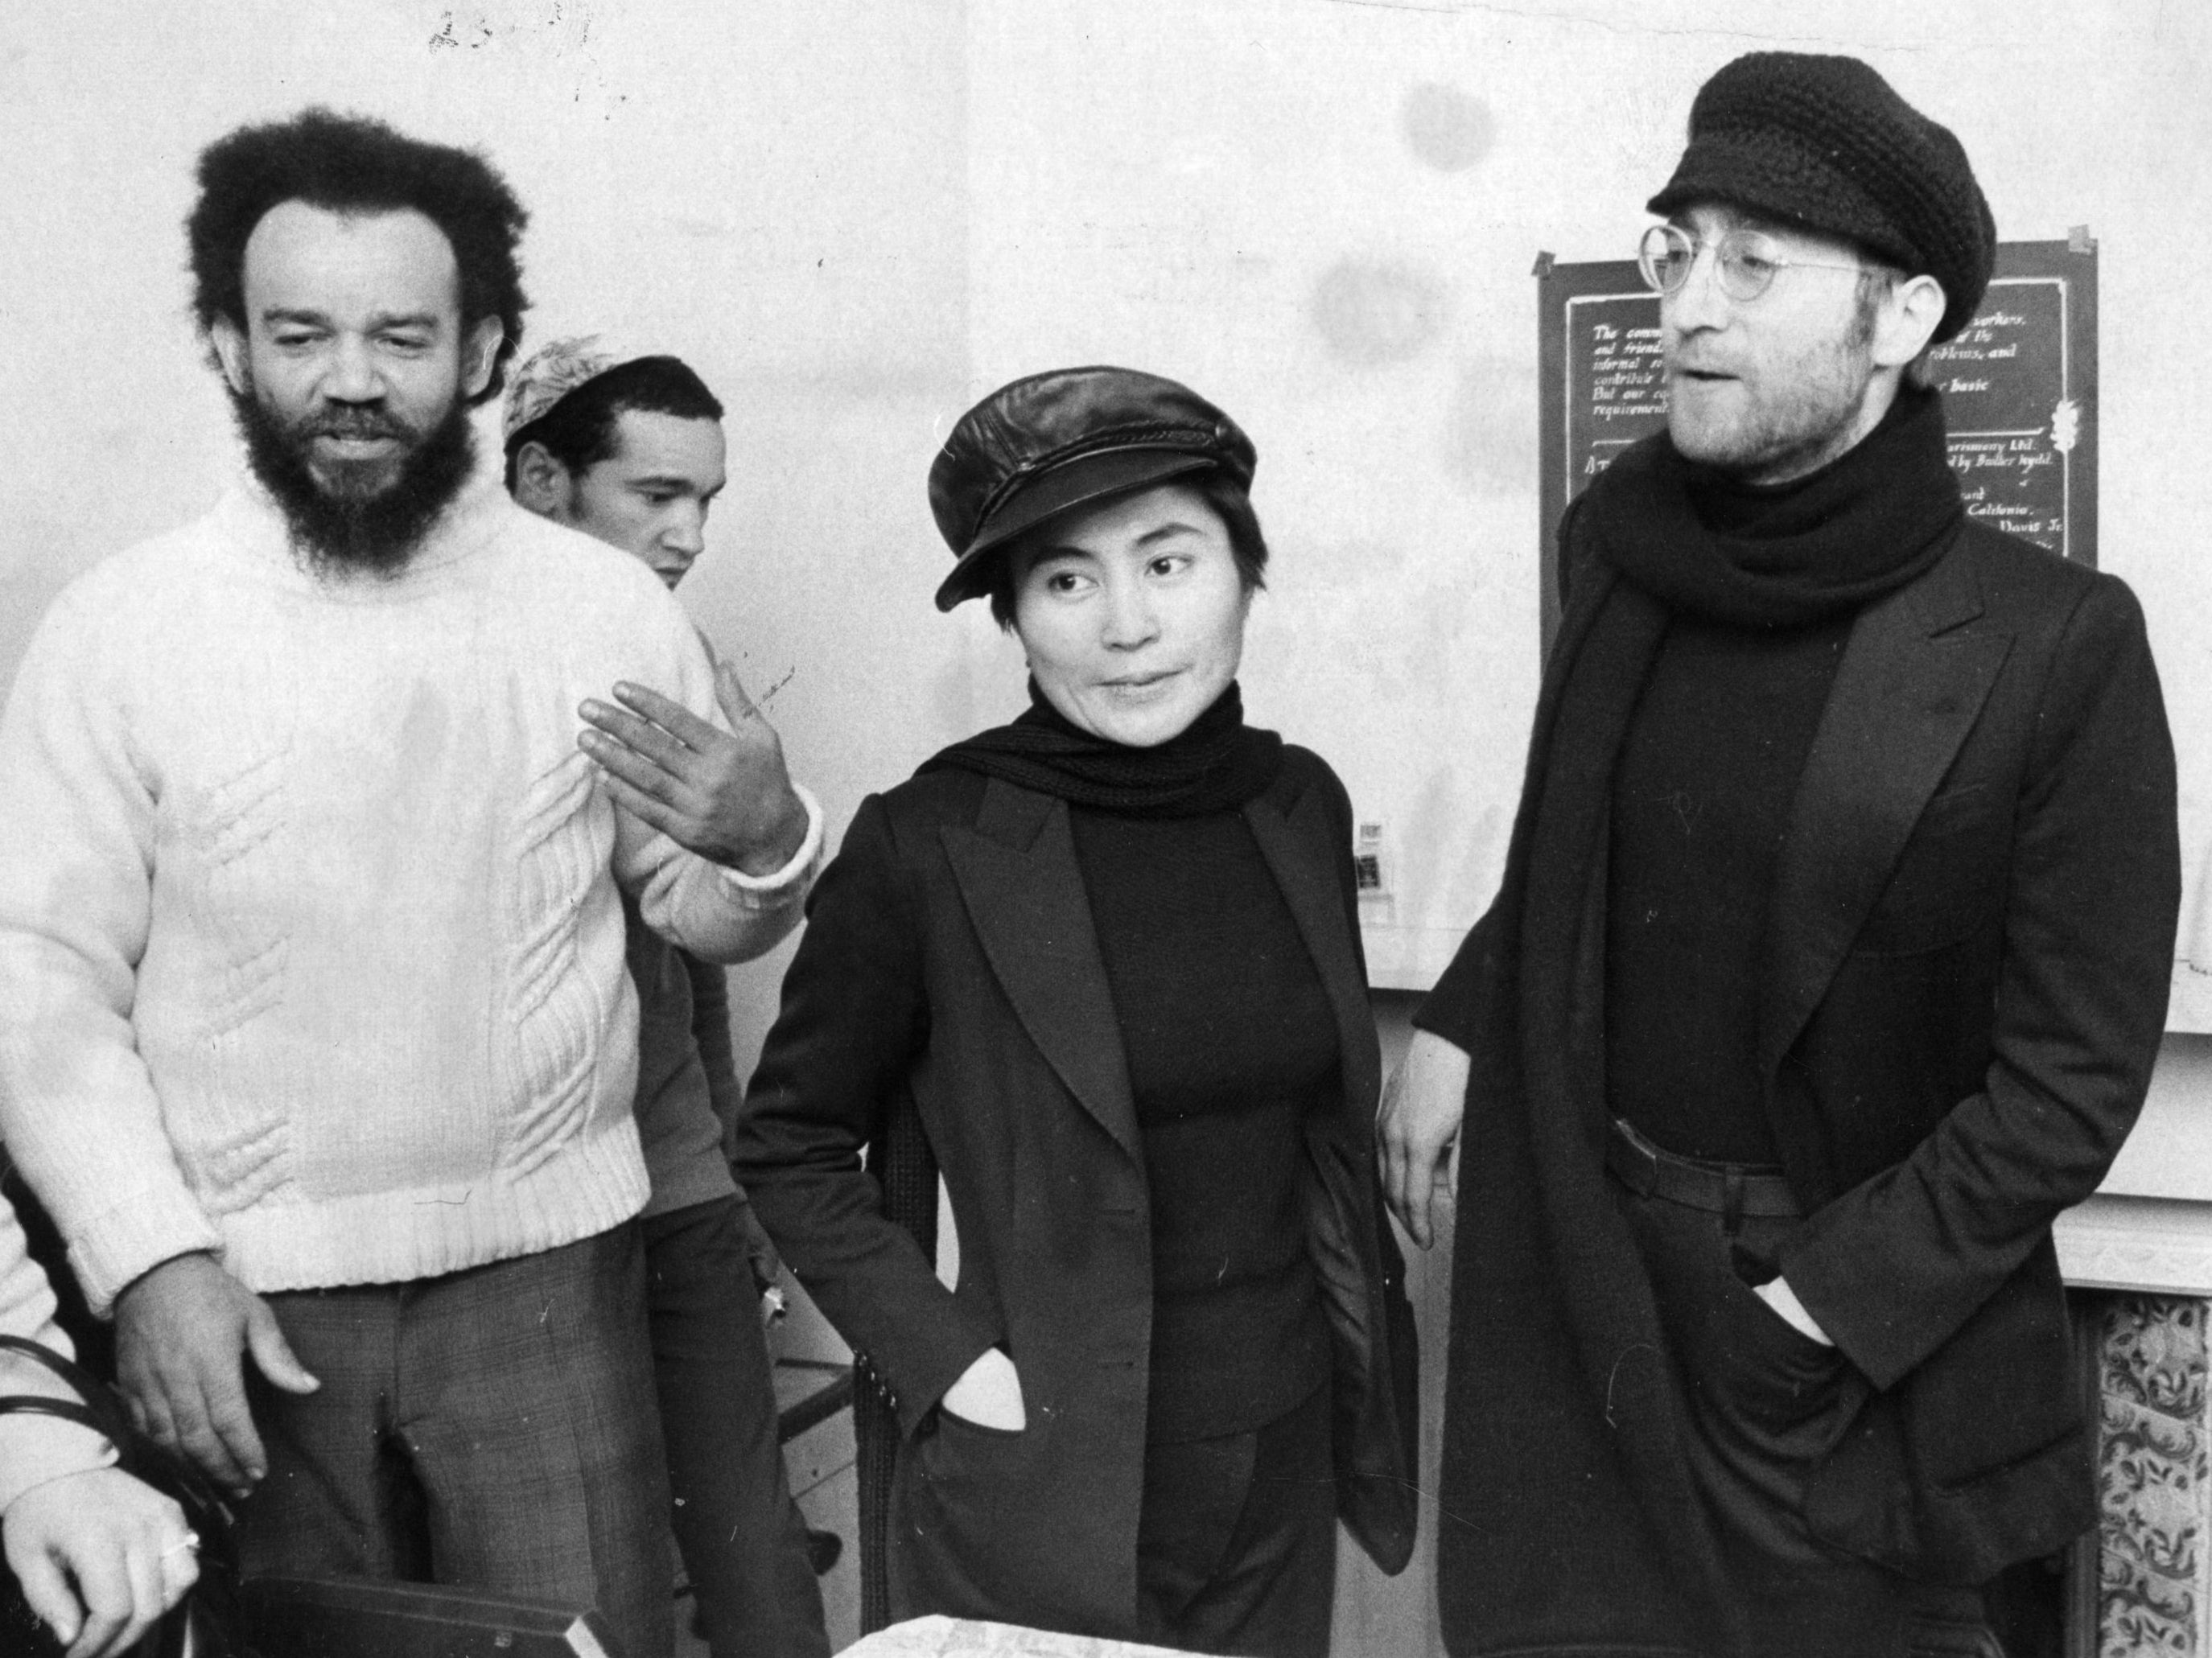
(1828, 965)
(315, 1035)
(627, 446)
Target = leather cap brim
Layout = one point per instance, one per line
(1075, 482)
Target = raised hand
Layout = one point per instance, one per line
(724, 795)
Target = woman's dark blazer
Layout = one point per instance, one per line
(950, 954)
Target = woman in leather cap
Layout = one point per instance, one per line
(1110, 953)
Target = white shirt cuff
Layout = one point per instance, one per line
(796, 873)
(38, 1449)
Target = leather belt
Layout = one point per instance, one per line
(1730, 1189)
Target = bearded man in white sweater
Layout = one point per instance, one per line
(315, 1033)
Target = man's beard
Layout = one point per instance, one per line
(1802, 410)
(371, 514)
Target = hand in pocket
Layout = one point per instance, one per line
(1772, 1378)
(988, 1394)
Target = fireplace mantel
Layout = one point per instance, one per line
(2149, 1228)
(2161, 1246)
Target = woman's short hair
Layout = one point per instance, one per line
(1231, 504)
(579, 430)
(352, 164)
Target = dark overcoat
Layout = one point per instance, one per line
(1967, 964)
(949, 956)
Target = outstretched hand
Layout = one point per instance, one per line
(100, 1556)
(724, 795)
(1416, 1132)
(180, 1331)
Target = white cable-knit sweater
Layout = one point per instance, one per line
(311, 951)
(35, 1449)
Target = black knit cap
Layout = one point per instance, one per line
(1037, 446)
(1826, 144)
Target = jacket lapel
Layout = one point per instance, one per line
(1910, 685)
(1023, 891)
(1299, 845)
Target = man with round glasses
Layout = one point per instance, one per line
(1784, 345)
(1828, 965)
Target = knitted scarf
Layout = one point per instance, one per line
(1215, 763)
(1781, 555)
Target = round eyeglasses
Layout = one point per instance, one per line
(1744, 261)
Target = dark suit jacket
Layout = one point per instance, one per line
(1968, 957)
(950, 954)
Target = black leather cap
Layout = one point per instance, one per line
(1040, 446)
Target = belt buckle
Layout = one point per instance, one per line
(1644, 1155)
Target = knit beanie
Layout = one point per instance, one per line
(1825, 142)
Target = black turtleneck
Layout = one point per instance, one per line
(1700, 802)
(1762, 592)
(1230, 1043)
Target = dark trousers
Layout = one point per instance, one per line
(493, 1427)
(743, 1541)
(1767, 1403)
(1236, 1539)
